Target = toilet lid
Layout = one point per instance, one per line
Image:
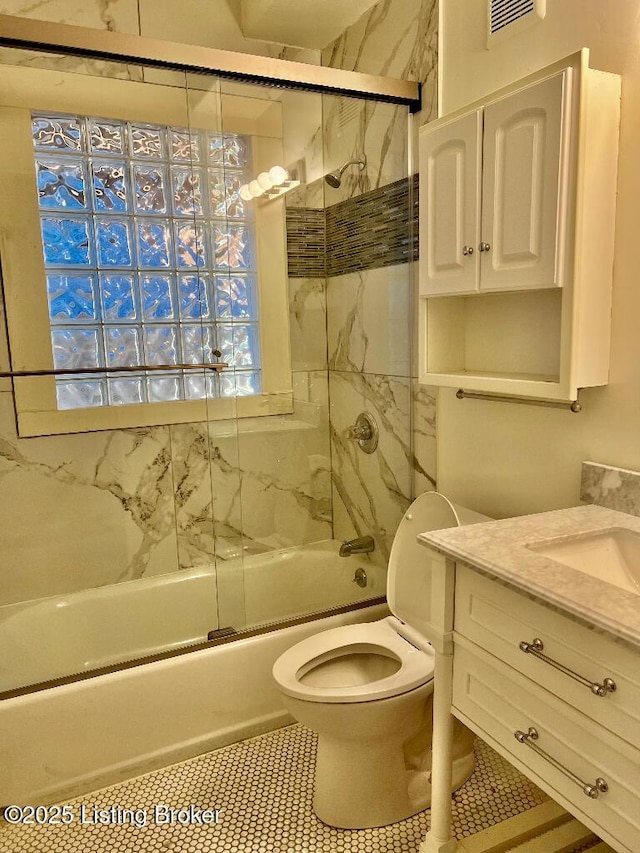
(409, 579)
(378, 638)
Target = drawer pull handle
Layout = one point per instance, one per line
(535, 648)
(600, 786)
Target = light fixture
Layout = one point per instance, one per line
(269, 185)
(278, 174)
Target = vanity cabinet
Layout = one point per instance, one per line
(540, 708)
(517, 210)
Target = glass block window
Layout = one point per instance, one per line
(150, 258)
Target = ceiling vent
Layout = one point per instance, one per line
(507, 17)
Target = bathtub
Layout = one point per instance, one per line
(63, 741)
(71, 634)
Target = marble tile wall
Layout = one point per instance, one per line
(81, 511)
(371, 311)
(396, 38)
(614, 488)
(86, 510)
(370, 370)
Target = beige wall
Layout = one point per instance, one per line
(503, 458)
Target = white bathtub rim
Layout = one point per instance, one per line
(154, 715)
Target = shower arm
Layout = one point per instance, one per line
(357, 161)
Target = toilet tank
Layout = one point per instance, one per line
(409, 575)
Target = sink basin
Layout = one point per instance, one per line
(611, 555)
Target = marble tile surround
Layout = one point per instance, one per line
(134, 503)
(610, 487)
(371, 492)
(144, 502)
(137, 503)
(368, 321)
(81, 511)
(396, 38)
(121, 17)
(370, 353)
(369, 329)
(308, 323)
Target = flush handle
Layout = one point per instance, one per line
(535, 648)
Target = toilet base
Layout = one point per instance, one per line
(351, 792)
(363, 798)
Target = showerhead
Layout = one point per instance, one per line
(334, 179)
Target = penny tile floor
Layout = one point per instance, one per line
(263, 790)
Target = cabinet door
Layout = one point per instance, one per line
(523, 186)
(450, 159)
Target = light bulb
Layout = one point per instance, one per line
(278, 174)
(255, 189)
(245, 193)
(265, 181)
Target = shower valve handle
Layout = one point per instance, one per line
(359, 433)
(365, 432)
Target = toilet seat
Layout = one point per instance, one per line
(415, 666)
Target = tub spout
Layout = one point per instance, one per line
(361, 545)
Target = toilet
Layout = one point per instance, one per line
(366, 690)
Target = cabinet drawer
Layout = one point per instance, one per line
(497, 701)
(498, 619)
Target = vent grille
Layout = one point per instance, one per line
(505, 12)
(348, 112)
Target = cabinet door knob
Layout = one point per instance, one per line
(484, 247)
(467, 250)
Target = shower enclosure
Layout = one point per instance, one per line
(206, 279)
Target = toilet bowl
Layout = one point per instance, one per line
(366, 690)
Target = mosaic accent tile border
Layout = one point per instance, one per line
(306, 238)
(376, 229)
(611, 487)
(372, 230)
(262, 789)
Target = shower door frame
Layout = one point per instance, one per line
(86, 42)
(70, 40)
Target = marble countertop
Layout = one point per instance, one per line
(498, 549)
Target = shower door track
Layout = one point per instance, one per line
(249, 68)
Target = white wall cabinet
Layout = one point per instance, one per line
(517, 216)
(492, 191)
(523, 181)
(450, 164)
